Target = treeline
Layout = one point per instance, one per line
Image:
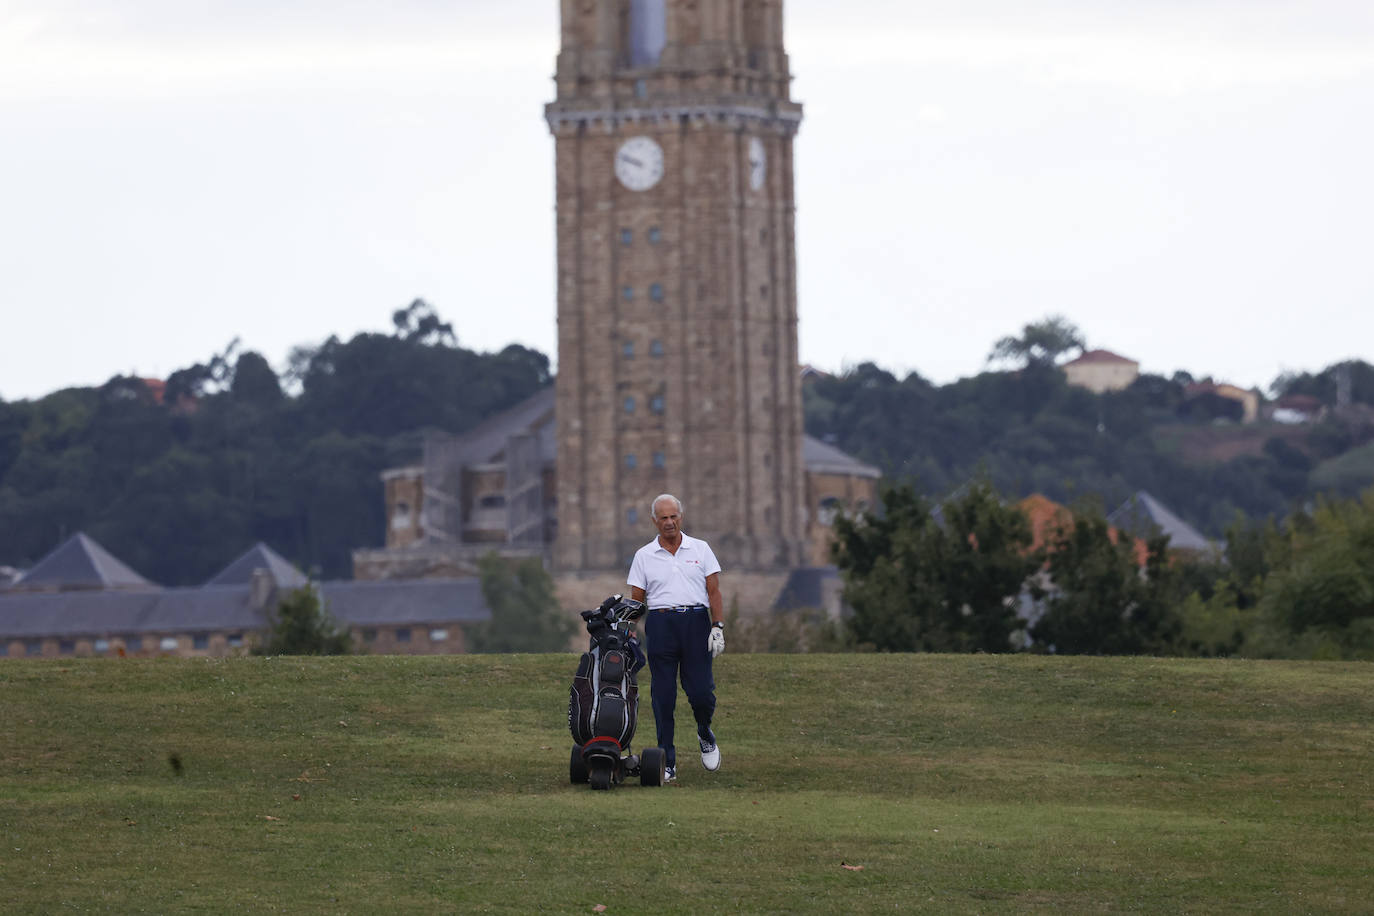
(969, 575)
(231, 453)
(1029, 431)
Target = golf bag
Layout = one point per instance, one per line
(603, 704)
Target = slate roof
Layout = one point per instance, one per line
(804, 588)
(1142, 516)
(260, 556)
(95, 613)
(391, 602)
(485, 442)
(80, 563)
(820, 458)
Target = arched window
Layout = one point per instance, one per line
(648, 32)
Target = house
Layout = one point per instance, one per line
(80, 600)
(1234, 402)
(1101, 371)
(1142, 516)
(1298, 408)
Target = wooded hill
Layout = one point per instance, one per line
(182, 478)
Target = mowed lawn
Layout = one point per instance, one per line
(946, 784)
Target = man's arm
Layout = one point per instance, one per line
(713, 595)
(636, 593)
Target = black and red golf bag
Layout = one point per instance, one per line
(603, 704)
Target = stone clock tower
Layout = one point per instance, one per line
(677, 303)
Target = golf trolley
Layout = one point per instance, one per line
(603, 704)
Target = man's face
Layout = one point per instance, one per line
(666, 518)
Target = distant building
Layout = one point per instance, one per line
(1101, 371)
(80, 600)
(1298, 408)
(1143, 516)
(1247, 402)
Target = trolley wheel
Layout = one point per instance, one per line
(600, 775)
(651, 764)
(577, 767)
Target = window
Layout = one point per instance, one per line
(101, 645)
(628, 349)
(655, 348)
(492, 501)
(656, 292)
(659, 460)
(654, 235)
(438, 635)
(641, 89)
(630, 405)
(168, 644)
(648, 32)
(133, 643)
(656, 405)
(632, 516)
(200, 641)
(66, 646)
(33, 648)
(4, 649)
(631, 462)
(403, 634)
(626, 236)
(369, 634)
(627, 293)
(401, 517)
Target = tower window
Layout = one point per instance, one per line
(648, 32)
(654, 235)
(656, 405)
(631, 462)
(630, 405)
(655, 348)
(632, 516)
(629, 349)
(656, 292)
(626, 236)
(627, 293)
(659, 460)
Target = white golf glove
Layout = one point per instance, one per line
(715, 643)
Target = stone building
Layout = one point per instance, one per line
(1100, 371)
(677, 304)
(677, 327)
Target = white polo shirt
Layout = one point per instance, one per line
(673, 580)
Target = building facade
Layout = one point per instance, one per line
(677, 308)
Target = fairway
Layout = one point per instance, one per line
(948, 784)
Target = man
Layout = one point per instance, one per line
(679, 579)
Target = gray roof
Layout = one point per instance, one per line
(803, 588)
(260, 556)
(79, 562)
(820, 458)
(485, 442)
(391, 602)
(34, 615)
(94, 613)
(1143, 516)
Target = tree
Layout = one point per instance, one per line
(525, 616)
(1040, 343)
(303, 627)
(1101, 600)
(946, 582)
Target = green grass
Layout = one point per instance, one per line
(969, 784)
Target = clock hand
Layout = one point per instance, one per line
(632, 160)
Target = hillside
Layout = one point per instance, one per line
(959, 784)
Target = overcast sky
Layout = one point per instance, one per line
(1189, 181)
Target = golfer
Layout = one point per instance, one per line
(678, 578)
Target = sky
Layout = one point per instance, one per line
(1190, 182)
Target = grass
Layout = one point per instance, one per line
(960, 784)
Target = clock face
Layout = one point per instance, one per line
(639, 163)
(758, 163)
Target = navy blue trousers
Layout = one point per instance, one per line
(677, 647)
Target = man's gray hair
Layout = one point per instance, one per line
(653, 506)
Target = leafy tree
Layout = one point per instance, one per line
(525, 616)
(918, 582)
(1101, 602)
(1041, 342)
(302, 626)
